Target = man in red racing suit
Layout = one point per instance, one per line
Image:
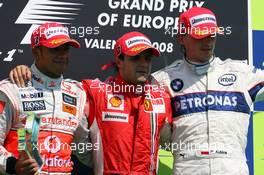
(127, 114)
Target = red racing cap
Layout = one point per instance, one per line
(133, 43)
(198, 22)
(52, 35)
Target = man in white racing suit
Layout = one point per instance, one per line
(59, 104)
(211, 101)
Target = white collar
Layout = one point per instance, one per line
(41, 80)
(200, 68)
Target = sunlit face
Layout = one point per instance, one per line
(198, 50)
(52, 61)
(135, 69)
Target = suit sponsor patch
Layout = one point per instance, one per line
(214, 100)
(69, 99)
(156, 105)
(148, 105)
(69, 109)
(33, 105)
(31, 95)
(115, 102)
(227, 79)
(114, 117)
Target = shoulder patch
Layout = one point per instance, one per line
(76, 83)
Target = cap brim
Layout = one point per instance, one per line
(204, 33)
(134, 52)
(71, 42)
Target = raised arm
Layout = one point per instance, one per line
(19, 75)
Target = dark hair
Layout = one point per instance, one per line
(120, 57)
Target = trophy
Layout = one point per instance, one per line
(28, 137)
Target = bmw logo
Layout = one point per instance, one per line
(176, 85)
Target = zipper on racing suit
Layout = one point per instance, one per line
(51, 129)
(208, 120)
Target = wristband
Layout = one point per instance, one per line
(10, 165)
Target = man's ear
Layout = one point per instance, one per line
(35, 53)
(118, 62)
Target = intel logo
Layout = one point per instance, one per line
(227, 79)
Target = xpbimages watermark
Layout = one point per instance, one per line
(126, 88)
(56, 146)
(183, 146)
(198, 31)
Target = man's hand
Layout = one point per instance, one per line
(20, 74)
(26, 165)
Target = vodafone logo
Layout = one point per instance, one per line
(36, 13)
(52, 144)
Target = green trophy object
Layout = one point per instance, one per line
(28, 137)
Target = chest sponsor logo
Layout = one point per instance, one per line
(33, 105)
(227, 79)
(69, 99)
(203, 101)
(213, 100)
(148, 105)
(52, 144)
(65, 122)
(69, 109)
(176, 85)
(56, 161)
(115, 117)
(154, 105)
(158, 105)
(115, 102)
(31, 95)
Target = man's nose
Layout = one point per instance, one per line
(143, 61)
(64, 54)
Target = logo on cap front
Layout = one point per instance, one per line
(202, 19)
(137, 40)
(55, 31)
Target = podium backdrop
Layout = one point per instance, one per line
(96, 25)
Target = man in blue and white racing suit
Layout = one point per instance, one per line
(211, 101)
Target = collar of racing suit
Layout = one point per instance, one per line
(200, 68)
(42, 81)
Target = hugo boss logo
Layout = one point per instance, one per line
(227, 79)
(34, 105)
